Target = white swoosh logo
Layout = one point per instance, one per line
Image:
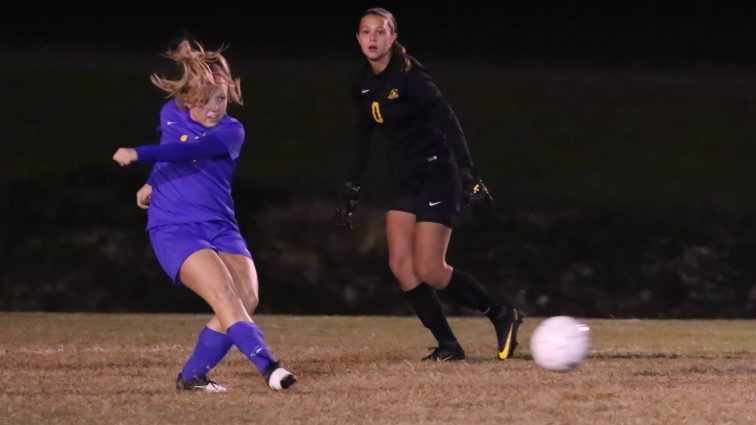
(365, 91)
(170, 122)
(433, 204)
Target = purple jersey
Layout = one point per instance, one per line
(195, 190)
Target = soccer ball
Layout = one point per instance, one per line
(559, 343)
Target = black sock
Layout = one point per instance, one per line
(465, 290)
(427, 307)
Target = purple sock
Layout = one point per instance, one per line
(211, 347)
(250, 341)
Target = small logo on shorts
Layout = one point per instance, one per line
(433, 204)
(432, 158)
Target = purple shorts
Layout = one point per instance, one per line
(174, 243)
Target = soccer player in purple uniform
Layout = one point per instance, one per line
(191, 220)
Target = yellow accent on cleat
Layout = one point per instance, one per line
(504, 353)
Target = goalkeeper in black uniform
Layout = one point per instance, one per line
(431, 175)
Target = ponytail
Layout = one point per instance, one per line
(399, 50)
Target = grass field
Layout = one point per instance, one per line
(119, 369)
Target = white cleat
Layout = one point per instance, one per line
(280, 378)
(200, 383)
(212, 387)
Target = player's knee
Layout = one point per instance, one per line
(225, 295)
(401, 267)
(251, 300)
(432, 274)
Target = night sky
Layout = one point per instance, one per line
(621, 33)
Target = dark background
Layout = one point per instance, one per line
(623, 33)
(617, 140)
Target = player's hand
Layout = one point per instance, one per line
(476, 196)
(125, 156)
(143, 196)
(347, 204)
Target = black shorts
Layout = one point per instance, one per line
(432, 197)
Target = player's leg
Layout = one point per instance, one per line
(173, 244)
(437, 211)
(205, 274)
(400, 227)
(467, 291)
(431, 242)
(211, 347)
(424, 301)
(244, 275)
(213, 343)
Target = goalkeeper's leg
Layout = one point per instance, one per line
(431, 243)
(421, 298)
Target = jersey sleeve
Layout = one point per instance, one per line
(362, 135)
(171, 125)
(444, 119)
(422, 89)
(169, 115)
(182, 152)
(217, 144)
(427, 96)
(151, 177)
(232, 137)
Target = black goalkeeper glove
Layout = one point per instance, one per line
(347, 204)
(476, 197)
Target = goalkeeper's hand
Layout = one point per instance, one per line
(476, 196)
(346, 205)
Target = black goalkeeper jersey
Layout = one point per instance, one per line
(406, 110)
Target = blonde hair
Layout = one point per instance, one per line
(201, 72)
(396, 47)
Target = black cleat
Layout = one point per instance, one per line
(200, 383)
(445, 353)
(506, 326)
(278, 378)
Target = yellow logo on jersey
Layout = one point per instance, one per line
(393, 94)
(184, 137)
(376, 107)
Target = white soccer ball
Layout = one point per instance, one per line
(559, 343)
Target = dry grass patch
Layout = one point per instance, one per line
(119, 369)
